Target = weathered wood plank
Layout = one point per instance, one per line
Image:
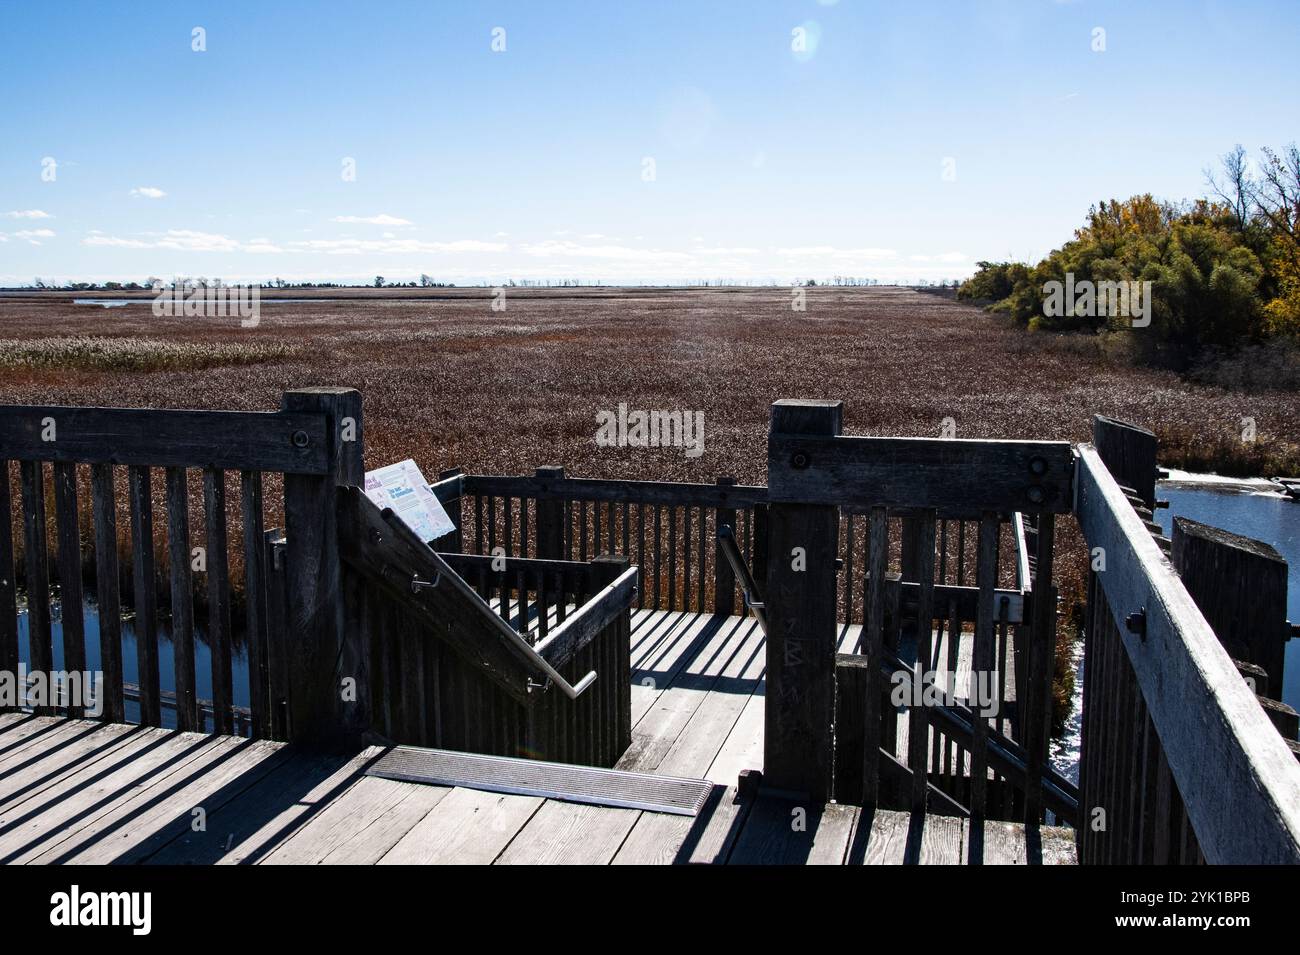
(285, 441)
(1030, 476)
(40, 638)
(799, 597)
(1240, 585)
(1129, 453)
(467, 827)
(662, 839)
(145, 595)
(69, 567)
(36, 823)
(565, 833)
(783, 832)
(218, 574)
(253, 824)
(666, 493)
(8, 580)
(361, 825)
(107, 591)
(918, 722)
(162, 810)
(320, 653)
(182, 594)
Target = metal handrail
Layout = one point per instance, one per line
(457, 583)
(748, 588)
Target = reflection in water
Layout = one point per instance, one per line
(166, 672)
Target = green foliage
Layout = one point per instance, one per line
(1224, 272)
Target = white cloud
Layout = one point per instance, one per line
(186, 240)
(147, 192)
(28, 214)
(34, 234)
(394, 246)
(374, 220)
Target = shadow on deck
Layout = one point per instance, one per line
(74, 791)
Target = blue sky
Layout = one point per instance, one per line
(476, 165)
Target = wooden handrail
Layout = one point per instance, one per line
(618, 491)
(581, 627)
(1235, 775)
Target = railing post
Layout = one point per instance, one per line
(801, 609)
(452, 540)
(724, 578)
(550, 517)
(613, 664)
(1129, 453)
(1240, 586)
(322, 652)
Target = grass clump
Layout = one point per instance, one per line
(92, 353)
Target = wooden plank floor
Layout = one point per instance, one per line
(74, 791)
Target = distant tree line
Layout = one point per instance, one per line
(1225, 269)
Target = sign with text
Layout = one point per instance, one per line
(402, 487)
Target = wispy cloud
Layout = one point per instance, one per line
(147, 192)
(373, 220)
(186, 240)
(28, 214)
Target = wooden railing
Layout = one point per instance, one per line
(111, 459)
(813, 473)
(438, 669)
(1180, 762)
(667, 529)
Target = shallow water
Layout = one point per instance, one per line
(130, 669)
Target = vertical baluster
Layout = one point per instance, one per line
(847, 524)
(523, 527)
(672, 557)
(625, 551)
(543, 606)
(178, 538)
(478, 524)
(1036, 696)
(69, 566)
(873, 645)
(36, 544)
(686, 558)
(982, 659)
(640, 555)
(491, 524)
(250, 489)
(658, 554)
(107, 594)
(582, 530)
(508, 508)
(146, 595)
(702, 576)
(961, 553)
(214, 504)
(918, 725)
(8, 581)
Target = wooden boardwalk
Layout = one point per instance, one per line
(74, 791)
